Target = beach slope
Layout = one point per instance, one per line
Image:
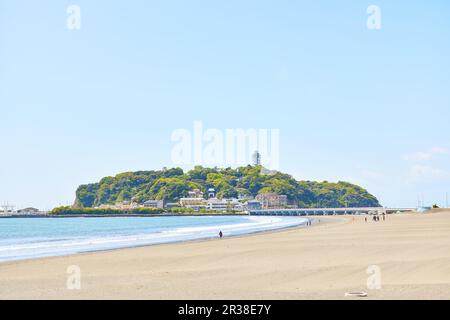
(411, 252)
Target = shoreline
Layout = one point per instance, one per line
(323, 261)
(199, 240)
(174, 242)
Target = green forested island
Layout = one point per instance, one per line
(173, 184)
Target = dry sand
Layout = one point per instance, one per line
(319, 262)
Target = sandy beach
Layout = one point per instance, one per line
(324, 261)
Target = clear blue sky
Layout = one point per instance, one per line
(368, 106)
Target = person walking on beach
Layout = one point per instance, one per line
(365, 219)
(220, 234)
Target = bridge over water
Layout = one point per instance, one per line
(327, 211)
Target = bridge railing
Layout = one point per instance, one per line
(326, 211)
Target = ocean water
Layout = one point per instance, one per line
(26, 238)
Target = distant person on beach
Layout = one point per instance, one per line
(365, 219)
(220, 234)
